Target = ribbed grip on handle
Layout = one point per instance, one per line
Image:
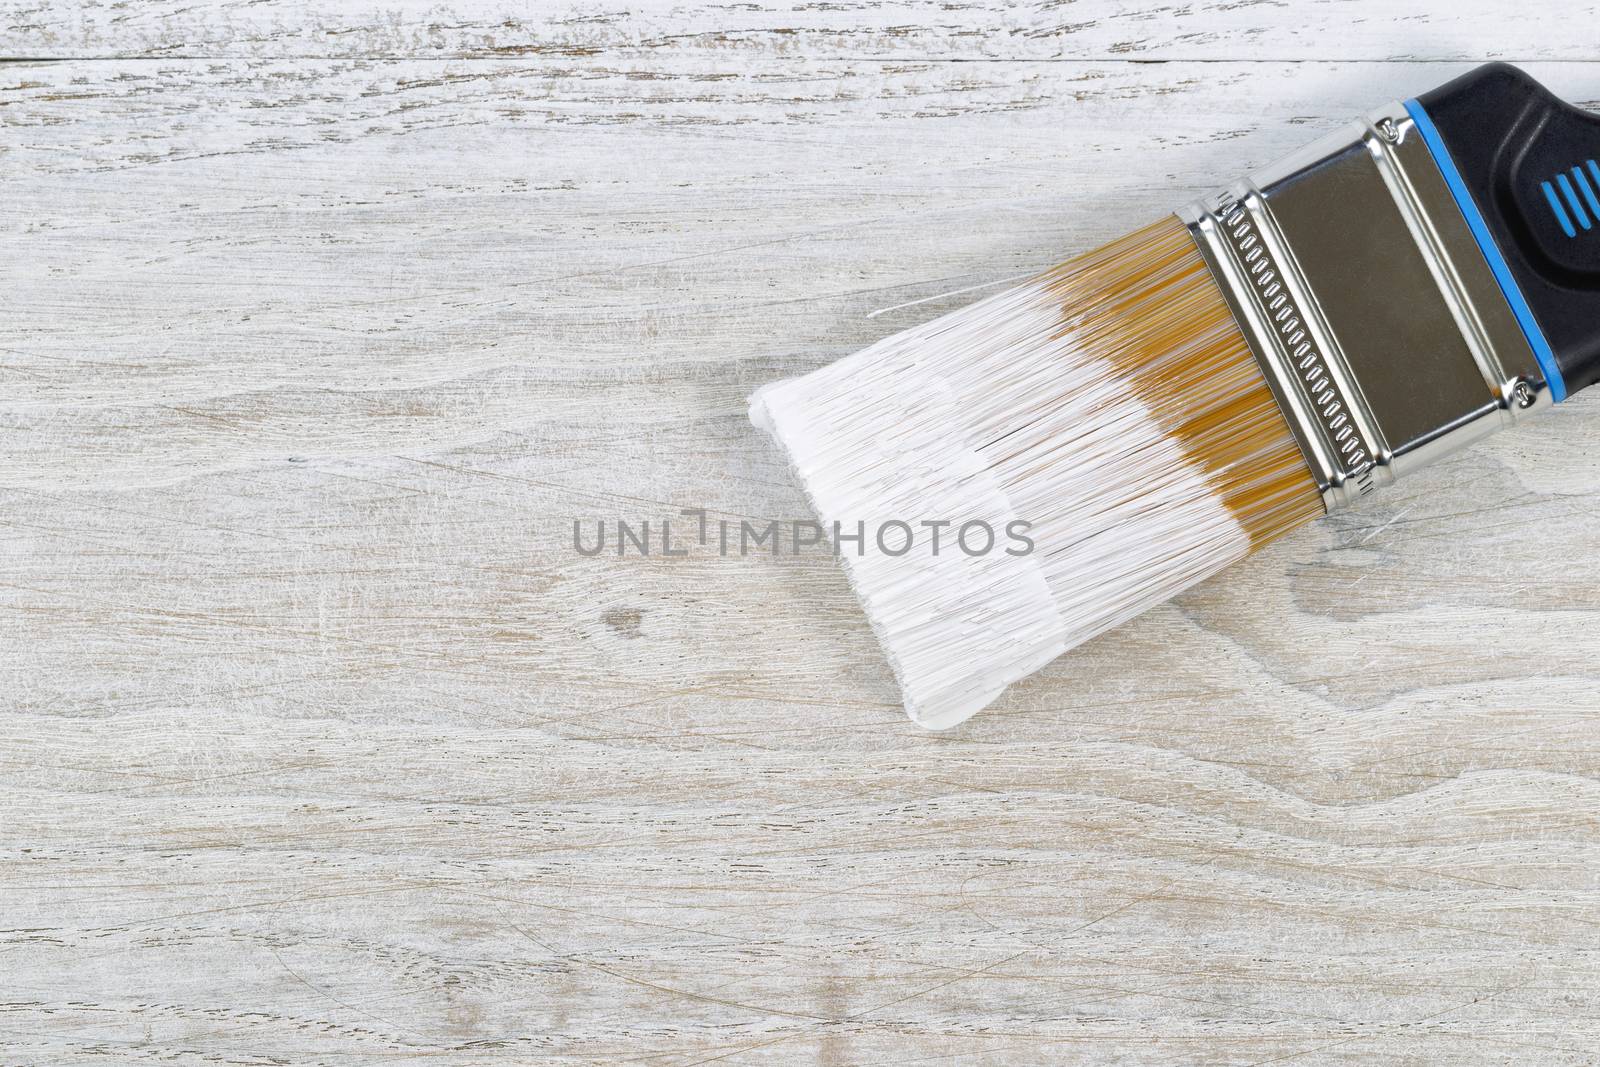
(1530, 164)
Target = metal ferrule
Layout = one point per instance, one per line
(1362, 292)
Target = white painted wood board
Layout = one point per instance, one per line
(321, 746)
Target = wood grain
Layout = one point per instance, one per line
(795, 31)
(322, 746)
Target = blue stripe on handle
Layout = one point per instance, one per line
(1572, 198)
(1491, 252)
(1588, 191)
(1560, 212)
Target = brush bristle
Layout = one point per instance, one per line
(1112, 403)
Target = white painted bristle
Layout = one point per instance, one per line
(1111, 403)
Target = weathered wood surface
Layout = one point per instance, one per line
(321, 746)
(800, 30)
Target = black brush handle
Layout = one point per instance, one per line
(1531, 163)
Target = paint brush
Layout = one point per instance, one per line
(1147, 413)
